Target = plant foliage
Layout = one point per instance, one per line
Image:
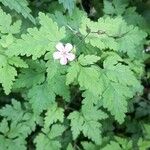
(99, 100)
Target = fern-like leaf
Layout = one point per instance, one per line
(37, 41)
(87, 122)
(53, 115)
(47, 140)
(68, 4)
(41, 97)
(6, 24)
(21, 6)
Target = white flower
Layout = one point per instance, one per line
(64, 53)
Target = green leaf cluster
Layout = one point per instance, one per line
(94, 102)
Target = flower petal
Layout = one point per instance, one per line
(63, 61)
(68, 47)
(60, 47)
(57, 55)
(70, 56)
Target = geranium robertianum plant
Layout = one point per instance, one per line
(72, 80)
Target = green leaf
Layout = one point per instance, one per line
(70, 147)
(7, 76)
(12, 144)
(134, 39)
(132, 17)
(7, 67)
(115, 100)
(6, 40)
(113, 34)
(50, 28)
(45, 141)
(115, 7)
(3, 60)
(28, 78)
(116, 71)
(31, 76)
(125, 143)
(53, 67)
(112, 145)
(21, 6)
(21, 120)
(71, 22)
(120, 84)
(56, 79)
(87, 122)
(13, 111)
(58, 84)
(90, 98)
(146, 128)
(53, 115)
(115, 84)
(68, 4)
(89, 146)
(88, 59)
(34, 43)
(6, 24)
(92, 84)
(76, 123)
(143, 144)
(101, 33)
(72, 73)
(18, 62)
(37, 41)
(41, 97)
(4, 126)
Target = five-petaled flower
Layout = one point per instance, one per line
(64, 53)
